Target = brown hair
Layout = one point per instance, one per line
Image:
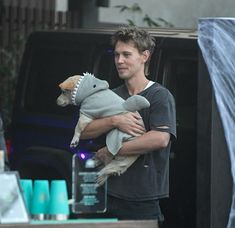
(141, 39)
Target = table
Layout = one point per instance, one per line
(87, 223)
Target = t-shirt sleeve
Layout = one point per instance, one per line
(162, 112)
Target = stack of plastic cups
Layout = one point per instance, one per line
(58, 208)
(27, 188)
(40, 200)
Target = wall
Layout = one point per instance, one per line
(181, 13)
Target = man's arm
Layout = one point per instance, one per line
(128, 122)
(97, 127)
(150, 141)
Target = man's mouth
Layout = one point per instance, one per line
(122, 69)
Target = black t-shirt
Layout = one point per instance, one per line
(148, 177)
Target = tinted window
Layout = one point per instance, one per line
(183, 85)
(105, 68)
(179, 75)
(49, 67)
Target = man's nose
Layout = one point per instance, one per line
(120, 59)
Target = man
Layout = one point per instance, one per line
(136, 193)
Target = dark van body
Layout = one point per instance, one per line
(42, 131)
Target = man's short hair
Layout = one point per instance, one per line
(141, 39)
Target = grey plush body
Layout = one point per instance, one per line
(96, 100)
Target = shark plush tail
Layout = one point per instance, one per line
(135, 103)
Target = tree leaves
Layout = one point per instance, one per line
(150, 22)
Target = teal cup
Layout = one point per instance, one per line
(58, 208)
(27, 188)
(40, 199)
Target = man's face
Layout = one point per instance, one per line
(129, 62)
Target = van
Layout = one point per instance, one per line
(42, 131)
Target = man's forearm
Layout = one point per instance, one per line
(97, 127)
(130, 123)
(150, 141)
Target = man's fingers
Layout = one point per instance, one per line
(104, 155)
(137, 131)
(136, 115)
(140, 123)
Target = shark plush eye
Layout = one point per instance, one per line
(94, 86)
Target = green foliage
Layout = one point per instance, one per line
(134, 8)
(146, 19)
(150, 22)
(9, 60)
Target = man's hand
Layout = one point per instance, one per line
(130, 123)
(104, 156)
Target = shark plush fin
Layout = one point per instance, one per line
(135, 103)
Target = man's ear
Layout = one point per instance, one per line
(145, 55)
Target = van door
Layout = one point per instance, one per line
(177, 70)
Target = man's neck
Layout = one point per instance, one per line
(136, 85)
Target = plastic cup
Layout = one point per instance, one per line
(40, 199)
(58, 208)
(27, 188)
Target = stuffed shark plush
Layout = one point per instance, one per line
(96, 100)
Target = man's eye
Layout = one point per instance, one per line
(126, 54)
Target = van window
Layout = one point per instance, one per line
(105, 68)
(179, 75)
(49, 67)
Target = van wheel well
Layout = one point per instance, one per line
(46, 163)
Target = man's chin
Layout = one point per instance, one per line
(123, 76)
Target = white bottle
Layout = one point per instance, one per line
(2, 161)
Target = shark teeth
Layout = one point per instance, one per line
(77, 85)
(88, 74)
(76, 89)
